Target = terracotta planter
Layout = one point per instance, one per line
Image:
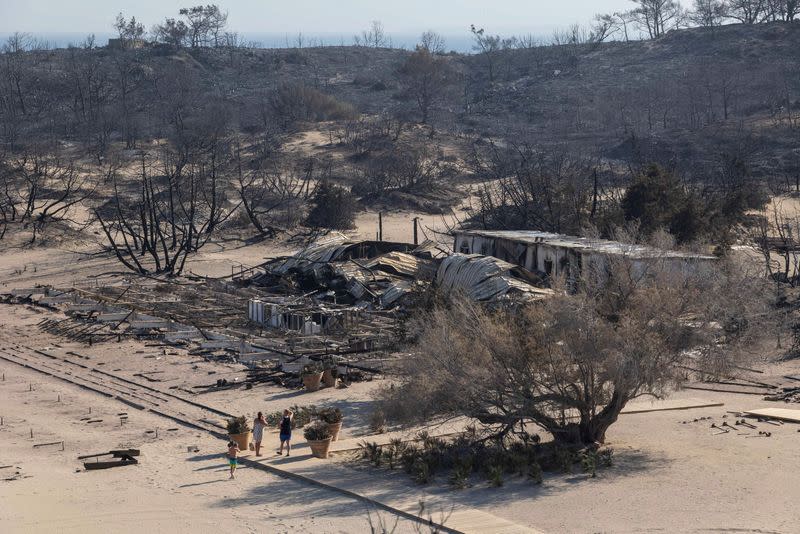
(334, 429)
(242, 440)
(328, 379)
(320, 448)
(312, 381)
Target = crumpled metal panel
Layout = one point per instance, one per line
(321, 251)
(395, 292)
(403, 264)
(484, 278)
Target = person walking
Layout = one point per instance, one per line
(233, 460)
(286, 431)
(258, 431)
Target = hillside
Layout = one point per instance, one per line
(716, 106)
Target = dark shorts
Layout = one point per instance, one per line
(233, 462)
(285, 437)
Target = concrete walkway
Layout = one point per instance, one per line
(366, 485)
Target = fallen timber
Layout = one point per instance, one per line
(125, 457)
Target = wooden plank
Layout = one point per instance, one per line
(670, 404)
(90, 466)
(719, 390)
(782, 414)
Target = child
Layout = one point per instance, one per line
(286, 431)
(233, 461)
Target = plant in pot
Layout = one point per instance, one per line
(329, 372)
(312, 376)
(318, 437)
(333, 418)
(239, 431)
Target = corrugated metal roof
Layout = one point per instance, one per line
(484, 278)
(403, 264)
(322, 250)
(395, 292)
(601, 246)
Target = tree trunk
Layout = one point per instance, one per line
(591, 428)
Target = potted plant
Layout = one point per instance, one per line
(318, 437)
(329, 372)
(333, 418)
(239, 431)
(312, 376)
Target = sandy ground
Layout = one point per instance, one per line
(668, 476)
(171, 490)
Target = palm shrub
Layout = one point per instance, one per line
(238, 425)
(316, 431)
(312, 368)
(372, 452)
(330, 415)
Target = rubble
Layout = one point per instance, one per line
(336, 298)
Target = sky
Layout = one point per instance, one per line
(345, 17)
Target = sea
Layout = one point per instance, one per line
(461, 43)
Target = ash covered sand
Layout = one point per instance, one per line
(171, 490)
(668, 476)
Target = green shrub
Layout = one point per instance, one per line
(330, 415)
(565, 458)
(316, 431)
(238, 425)
(494, 473)
(393, 452)
(372, 452)
(334, 207)
(312, 368)
(421, 471)
(535, 472)
(605, 457)
(408, 457)
(467, 455)
(459, 477)
(302, 415)
(588, 461)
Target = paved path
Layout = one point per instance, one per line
(367, 486)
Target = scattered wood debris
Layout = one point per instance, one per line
(125, 457)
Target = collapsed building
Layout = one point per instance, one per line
(561, 255)
(346, 277)
(336, 299)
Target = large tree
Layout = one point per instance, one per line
(657, 17)
(708, 13)
(748, 11)
(205, 24)
(569, 364)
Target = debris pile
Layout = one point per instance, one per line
(123, 457)
(370, 274)
(337, 297)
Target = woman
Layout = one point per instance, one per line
(286, 431)
(258, 431)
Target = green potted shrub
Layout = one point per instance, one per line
(312, 376)
(333, 418)
(239, 431)
(318, 437)
(329, 372)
